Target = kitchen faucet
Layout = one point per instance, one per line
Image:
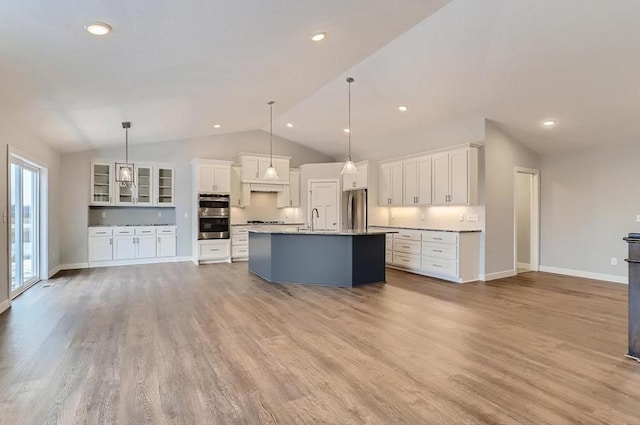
(317, 216)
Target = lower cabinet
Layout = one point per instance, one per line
(214, 250)
(452, 256)
(130, 244)
(240, 239)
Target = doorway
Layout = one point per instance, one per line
(24, 225)
(323, 197)
(526, 213)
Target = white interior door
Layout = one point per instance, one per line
(25, 226)
(324, 197)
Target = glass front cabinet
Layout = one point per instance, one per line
(155, 186)
(102, 181)
(165, 183)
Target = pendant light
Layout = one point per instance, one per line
(349, 166)
(271, 173)
(125, 172)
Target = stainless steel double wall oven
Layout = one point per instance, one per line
(213, 216)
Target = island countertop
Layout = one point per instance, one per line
(323, 232)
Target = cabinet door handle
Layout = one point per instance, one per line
(436, 265)
(159, 239)
(110, 241)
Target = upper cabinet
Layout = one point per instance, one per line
(442, 178)
(417, 181)
(455, 177)
(357, 181)
(391, 184)
(254, 166)
(212, 176)
(290, 196)
(165, 186)
(240, 192)
(102, 182)
(155, 186)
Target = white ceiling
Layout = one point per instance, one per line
(174, 68)
(516, 62)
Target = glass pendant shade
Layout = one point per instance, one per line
(349, 168)
(271, 173)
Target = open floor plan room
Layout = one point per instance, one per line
(129, 345)
(319, 212)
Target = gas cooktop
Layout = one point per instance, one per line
(264, 222)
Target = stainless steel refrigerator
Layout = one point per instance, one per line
(355, 210)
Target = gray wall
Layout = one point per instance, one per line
(32, 148)
(523, 216)
(75, 168)
(502, 154)
(590, 200)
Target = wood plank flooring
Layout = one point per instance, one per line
(180, 344)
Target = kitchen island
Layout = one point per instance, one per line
(345, 259)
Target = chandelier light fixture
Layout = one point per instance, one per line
(349, 167)
(125, 172)
(271, 173)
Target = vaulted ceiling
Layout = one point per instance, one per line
(176, 68)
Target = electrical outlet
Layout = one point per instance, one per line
(393, 216)
(186, 215)
(286, 215)
(461, 217)
(638, 218)
(472, 217)
(422, 216)
(159, 214)
(614, 261)
(103, 214)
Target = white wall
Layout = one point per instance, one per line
(590, 199)
(523, 216)
(502, 154)
(75, 168)
(33, 149)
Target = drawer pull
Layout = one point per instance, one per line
(101, 233)
(436, 265)
(437, 239)
(437, 250)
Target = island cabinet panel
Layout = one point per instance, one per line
(292, 257)
(634, 295)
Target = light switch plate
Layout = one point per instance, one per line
(186, 215)
(472, 217)
(461, 217)
(614, 261)
(103, 214)
(638, 218)
(159, 214)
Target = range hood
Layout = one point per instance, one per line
(262, 187)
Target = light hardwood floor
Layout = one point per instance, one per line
(180, 344)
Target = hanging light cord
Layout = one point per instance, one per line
(349, 80)
(271, 133)
(126, 145)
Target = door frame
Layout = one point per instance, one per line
(43, 223)
(534, 239)
(338, 192)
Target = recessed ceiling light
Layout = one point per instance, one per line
(549, 123)
(289, 125)
(403, 108)
(98, 28)
(319, 36)
(217, 125)
(346, 130)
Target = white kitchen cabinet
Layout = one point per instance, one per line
(165, 186)
(356, 181)
(290, 196)
(142, 193)
(254, 166)
(417, 181)
(391, 184)
(214, 250)
(240, 195)
(455, 177)
(124, 247)
(166, 246)
(102, 182)
(212, 176)
(100, 245)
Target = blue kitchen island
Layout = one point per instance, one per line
(345, 259)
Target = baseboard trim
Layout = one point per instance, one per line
(73, 266)
(4, 306)
(586, 275)
(497, 275)
(53, 271)
(526, 266)
(138, 262)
